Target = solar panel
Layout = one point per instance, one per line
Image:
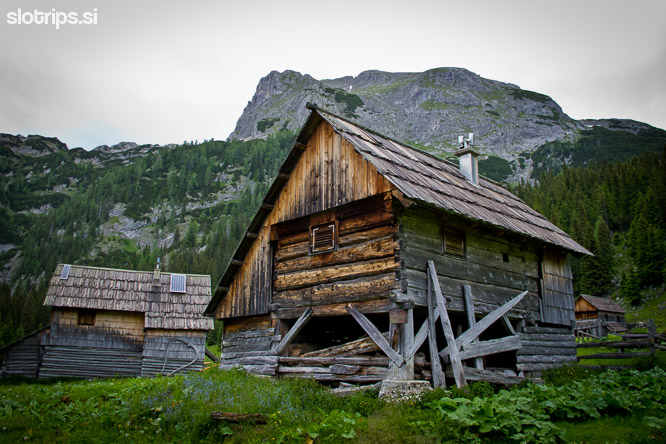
(65, 271)
(177, 283)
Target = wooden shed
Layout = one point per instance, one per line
(108, 322)
(362, 243)
(609, 313)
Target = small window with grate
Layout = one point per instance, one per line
(453, 242)
(177, 283)
(86, 317)
(324, 237)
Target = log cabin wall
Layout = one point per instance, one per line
(361, 269)
(110, 347)
(172, 345)
(329, 173)
(24, 357)
(497, 266)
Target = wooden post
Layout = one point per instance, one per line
(376, 335)
(471, 319)
(300, 323)
(438, 378)
(484, 323)
(456, 364)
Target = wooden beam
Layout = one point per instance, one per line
(507, 324)
(267, 206)
(283, 176)
(375, 334)
(293, 331)
(300, 145)
(484, 323)
(471, 318)
(236, 263)
(438, 378)
(458, 372)
(397, 195)
(490, 347)
(418, 339)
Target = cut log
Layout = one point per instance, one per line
(293, 331)
(375, 334)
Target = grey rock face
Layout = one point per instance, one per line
(428, 109)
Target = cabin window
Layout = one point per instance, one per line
(324, 237)
(453, 242)
(86, 317)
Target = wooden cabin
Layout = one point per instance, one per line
(363, 242)
(108, 322)
(607, 311)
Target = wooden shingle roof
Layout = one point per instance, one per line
(134, 291)
(603, 304)
(438, 183)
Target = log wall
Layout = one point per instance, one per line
(544, 348)
(329, 173)
(24, 357)
(158, 342)
(362, 269)
(493, 281)
(111, 347)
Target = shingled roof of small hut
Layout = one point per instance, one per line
(134, 291)
(603, 304)
(421, 177)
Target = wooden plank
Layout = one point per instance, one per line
(438, 377)
(336, 292)
(293, 331)
(375, 334)
(484, 323)
(328, 274)
(458, 372)
(489, 347)
(471, 318)
(418, 339)
(331, 360)
(473, 374)
(374, 306)
(624, 355)
(361, 345)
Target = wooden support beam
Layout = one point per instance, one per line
(236, 263)
(251, 235)
(507, 324)
(293, 331)
(418, 339)
(458, 372)
(490, 347)
(484, 323)
(438, 378)
(267, 206)
(471, 318)
(283, 176)
(300, 145)
(375, 334)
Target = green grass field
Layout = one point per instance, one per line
(576, 406)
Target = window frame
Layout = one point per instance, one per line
(312, 229)
(444, 229)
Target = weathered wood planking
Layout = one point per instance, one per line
(327, 160)
(557, 305)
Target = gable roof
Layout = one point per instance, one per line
(133, 291)
(419, 176)
(603, 304)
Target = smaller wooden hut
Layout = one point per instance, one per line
(108, 322)
(608, 313)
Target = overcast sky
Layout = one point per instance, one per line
(168, 71)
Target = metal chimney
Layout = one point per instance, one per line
(469, 159)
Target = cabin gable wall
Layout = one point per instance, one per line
(328, 174)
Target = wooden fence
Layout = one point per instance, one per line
(632, 345)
